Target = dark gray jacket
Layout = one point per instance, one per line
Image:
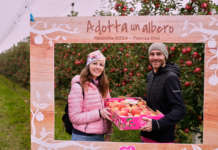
(164, 94)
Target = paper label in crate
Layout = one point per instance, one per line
(130, 101)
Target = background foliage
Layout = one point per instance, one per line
(127, 67)
(14, 63)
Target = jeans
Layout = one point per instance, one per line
(77, 137)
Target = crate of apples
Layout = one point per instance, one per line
(127, 112)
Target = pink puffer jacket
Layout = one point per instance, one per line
(84, 113)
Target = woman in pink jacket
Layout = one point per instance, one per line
(86, 110)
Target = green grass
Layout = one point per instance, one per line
(14, 116)
(60, 134)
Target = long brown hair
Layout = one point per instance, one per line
(103, 85)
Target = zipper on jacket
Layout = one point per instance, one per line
(86, 127)
(151, 90)
(102, 106)
(83, 111)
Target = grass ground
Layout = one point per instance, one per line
(14, 116)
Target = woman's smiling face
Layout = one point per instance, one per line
(96, 68)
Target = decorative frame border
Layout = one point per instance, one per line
(45, 32)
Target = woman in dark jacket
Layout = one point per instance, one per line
(163, 94)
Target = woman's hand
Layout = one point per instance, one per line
(148, 125)
(105, 113)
